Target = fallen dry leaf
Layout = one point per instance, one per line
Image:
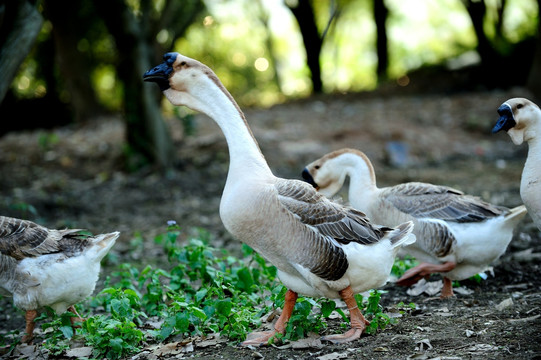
(80, 352)
(211, 340)
(312, 341)
(333, 356)
(463, 290)
(422, 286)
(28, 351)
(173, 348)
(504, 304)
(422, 343)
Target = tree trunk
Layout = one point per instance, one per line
(304, 14)
(74, 65)
(147, 134)
(477, 11)
(380, 16)
(20, 23)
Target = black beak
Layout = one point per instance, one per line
(308, 178)
(506, 120)
(160, 74)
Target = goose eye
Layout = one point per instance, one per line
(183, 63)
(316, 167)
(519, 106)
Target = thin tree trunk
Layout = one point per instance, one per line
(477, 11)
(380, 16)
(147, 134)
(20, 23)
(74, 65)
(304, 14)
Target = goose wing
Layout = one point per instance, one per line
(342, 223)
(422, 200)
(23, 238)
(321, 228)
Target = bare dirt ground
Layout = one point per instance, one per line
(73, 177)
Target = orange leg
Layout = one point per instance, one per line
(262, 337)
(358, 322)
(423, 270)
(30, 316)
(75, 319)
(447, 290)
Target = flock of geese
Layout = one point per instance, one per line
(321, 248)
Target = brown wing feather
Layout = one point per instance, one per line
(436, 238)
(440, 202)
(23, 238)
(342, 223)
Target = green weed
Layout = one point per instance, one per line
(400, 266)
(372, 309)
(117, 334)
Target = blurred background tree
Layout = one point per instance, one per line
(76, 61)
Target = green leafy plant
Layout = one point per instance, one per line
(402, 265)
(117, 334)
(374, 311)
(59, 331)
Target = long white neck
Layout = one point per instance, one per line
(362, 181)
(531, 167)
(245, 156)
(361, 186)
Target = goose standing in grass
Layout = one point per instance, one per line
(457, 235)
(319, 247)
(43, 267)
(521, 119)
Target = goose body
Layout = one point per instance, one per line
(458, 235)
(521, 118)
(46, 267)
(319, 247)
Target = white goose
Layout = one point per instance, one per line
(320, 248)
(457, 235)
(43, 267)
(521, 118)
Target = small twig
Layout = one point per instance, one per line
(526, 319)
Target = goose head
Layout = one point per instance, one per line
(518, 117)
(328, 173)
(184, 81)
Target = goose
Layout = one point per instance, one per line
(458, 235)
(47, 267)
(521, 119)
(320, 248)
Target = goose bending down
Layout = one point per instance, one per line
(521, 119)
(44, 267)
(319, 247)
(457, 235)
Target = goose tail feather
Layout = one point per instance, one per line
(103, 243)
(402, 235)
(515, 215)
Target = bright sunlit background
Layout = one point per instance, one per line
(256, 48)
(420, 32)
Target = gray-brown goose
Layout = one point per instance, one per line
(458, 235)
(319, 247)
(45, 267)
